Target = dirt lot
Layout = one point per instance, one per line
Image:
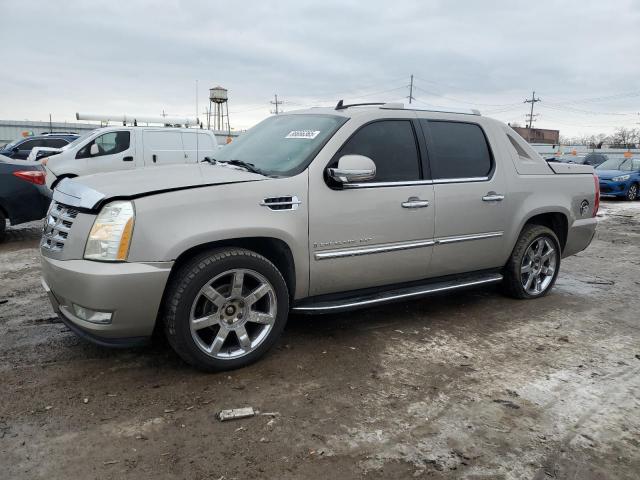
(470, 385)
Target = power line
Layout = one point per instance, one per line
(411, 90)
(533, 100)
(276, 102)
(582, 111)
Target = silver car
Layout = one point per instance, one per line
(316, 211)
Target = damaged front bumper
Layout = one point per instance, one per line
(110, 304)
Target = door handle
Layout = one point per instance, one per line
(493, 197)
(415, 202)
(154, 158)
(127, 159)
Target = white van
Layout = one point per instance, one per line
(122, 148)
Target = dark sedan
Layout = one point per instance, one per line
(23, 194)
(20, 149)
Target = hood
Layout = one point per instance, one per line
(609, 174)
(92, 190)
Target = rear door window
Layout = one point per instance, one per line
(29, 144)
(55, 142)
(457, 150)
(391, 144)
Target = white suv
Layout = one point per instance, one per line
(122, 148)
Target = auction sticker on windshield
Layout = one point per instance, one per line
(308, 134)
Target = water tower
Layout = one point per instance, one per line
(218, 108)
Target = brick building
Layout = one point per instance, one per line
(539, 135)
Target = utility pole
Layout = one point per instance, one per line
(411, 97)
(532, 101)
(276, 102)
(50, 128)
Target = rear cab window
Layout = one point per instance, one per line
(457, 150)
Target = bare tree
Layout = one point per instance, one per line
(625, 137)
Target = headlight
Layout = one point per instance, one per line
(110, 235)
(621, 178)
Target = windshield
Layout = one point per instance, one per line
(9, 146)
(624, 164)
(282, 145)
(78, 140)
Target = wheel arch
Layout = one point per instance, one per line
(273, 249)
(556, 221)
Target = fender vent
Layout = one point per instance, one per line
(290, 202)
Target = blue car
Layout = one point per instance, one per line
(619, 177)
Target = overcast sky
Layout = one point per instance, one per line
(143, 57)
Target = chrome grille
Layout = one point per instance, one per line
(57, 225)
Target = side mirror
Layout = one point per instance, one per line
(16, 149)
(353, 168)
(94, 150)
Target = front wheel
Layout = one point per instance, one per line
(632, 193)
(225, 309)
(534, 264)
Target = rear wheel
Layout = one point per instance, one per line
(534, 264)
(225, 309)
(632, 193)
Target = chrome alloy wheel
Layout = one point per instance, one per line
(233, 313)
(538, 266)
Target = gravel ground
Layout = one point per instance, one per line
(468, 385)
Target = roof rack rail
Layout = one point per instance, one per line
(58, 133)
(342, 106)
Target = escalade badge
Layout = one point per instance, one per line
(584, 207)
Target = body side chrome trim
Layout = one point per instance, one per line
(409, 183)
(466, 238)
(461, 180)
(436, 288)
(371, 250)
(331, 254)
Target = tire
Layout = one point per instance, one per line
(3, 225)
(225, 308)
(523, 284)
(632, 193)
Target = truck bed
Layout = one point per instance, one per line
(569, 168)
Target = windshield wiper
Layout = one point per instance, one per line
(250, 167)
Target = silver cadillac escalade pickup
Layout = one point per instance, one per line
(316, 211)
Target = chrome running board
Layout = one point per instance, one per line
(324, 304)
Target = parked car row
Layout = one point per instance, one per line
(26, 185)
